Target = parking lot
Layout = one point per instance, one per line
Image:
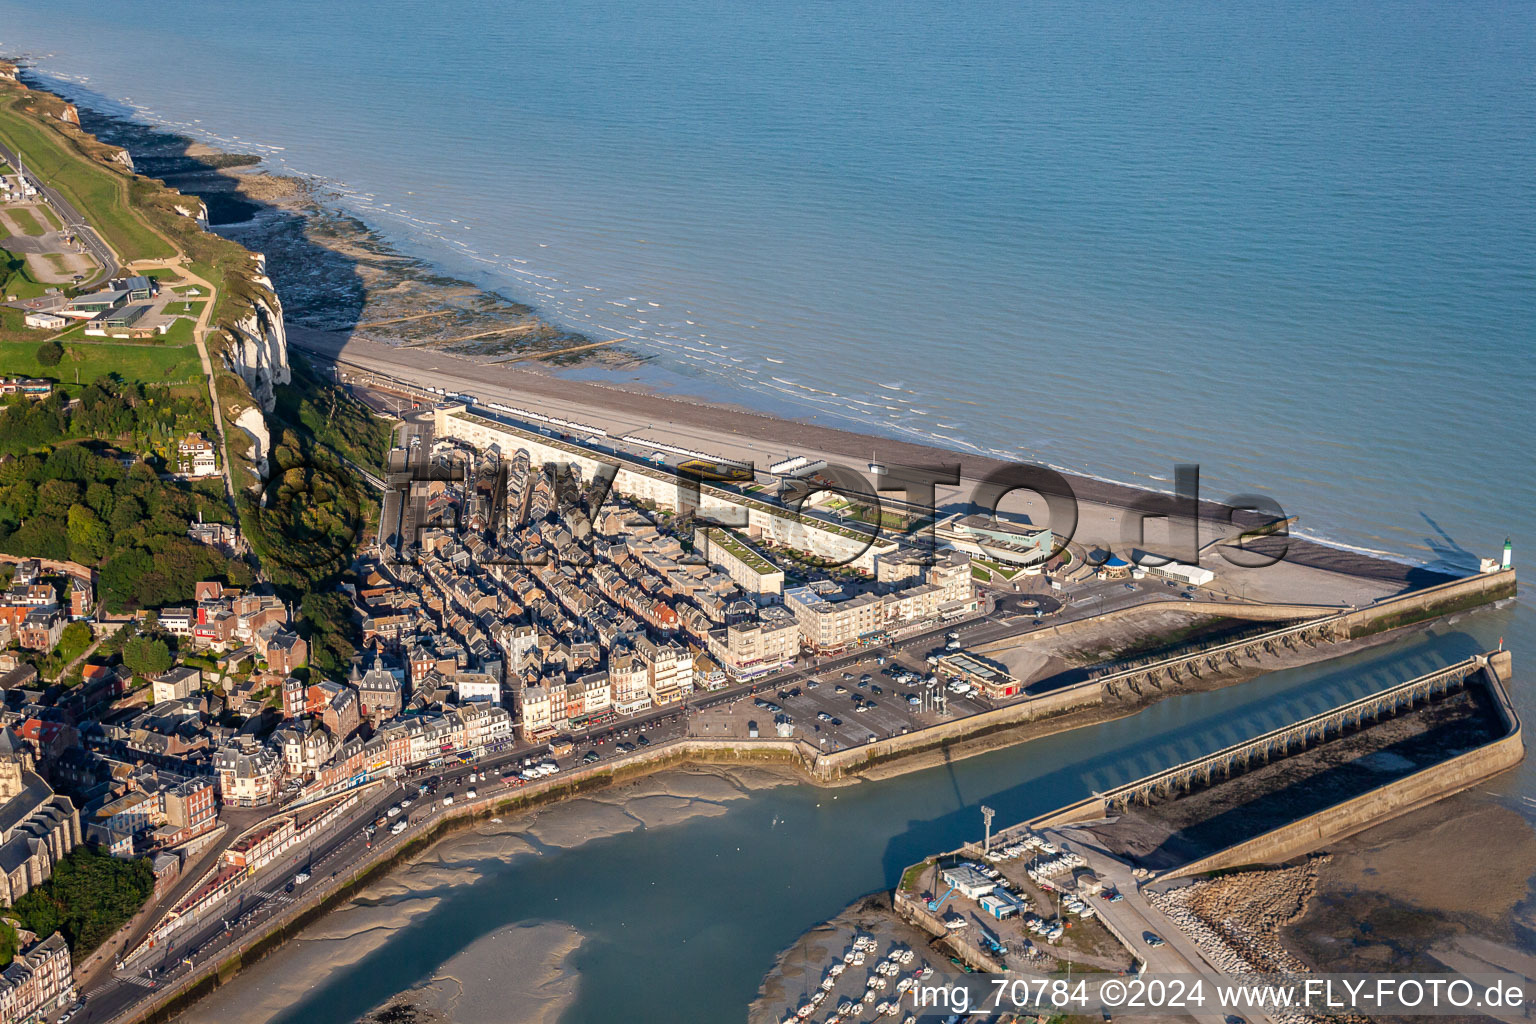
(845, 707)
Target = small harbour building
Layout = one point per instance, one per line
(991, 679)
(968, 880)
(1001, 904)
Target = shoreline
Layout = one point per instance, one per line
(296, 202)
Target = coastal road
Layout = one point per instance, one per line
(232, 921)
(77, 224)
(343, 844)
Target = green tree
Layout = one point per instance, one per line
(98, 496)
(49, 353)
(89, 897)
(146, 656)
(87, 535)
(127, 512)
(73, 642)
(54, 498)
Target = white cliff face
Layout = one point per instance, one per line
(255, 426)
(259, 353)
(196, 209)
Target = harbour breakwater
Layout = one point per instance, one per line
(1120, 692)
(1483, 673)
(1111, 819)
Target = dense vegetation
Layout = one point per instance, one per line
(306, 524)
(75, 503)
(147, 655)
(74, 641)
(315, 507)
(306, 521)
(90, 896)
(138, 417)
(328, 617)
(329, 416)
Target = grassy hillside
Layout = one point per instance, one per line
(98, 192)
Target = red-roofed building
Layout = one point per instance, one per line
(49, 739)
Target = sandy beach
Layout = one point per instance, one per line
(1309, 573)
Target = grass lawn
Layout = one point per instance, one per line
(151, 363)
(179, 333)
(48, 217)
(98, 193)
(1007, 572)
(191, 309)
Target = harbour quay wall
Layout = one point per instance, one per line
(845, 762)
(1385, 802)
(1337, 627)
(854, 547)
(1346, 817)
(1431, 602)
(1247, 654)
(914, 913)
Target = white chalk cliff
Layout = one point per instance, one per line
(258, 351)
